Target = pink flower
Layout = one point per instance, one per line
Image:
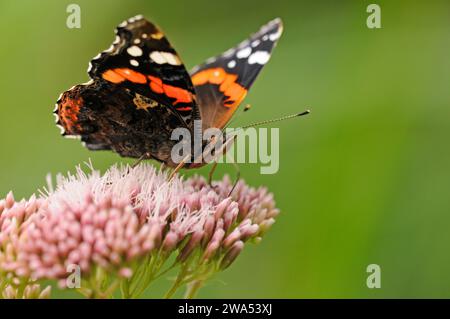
(127, 222)
(14, 220)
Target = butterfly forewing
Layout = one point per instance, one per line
(142, 60)
(222, 82)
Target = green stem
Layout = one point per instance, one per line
(108, 293)
(178, 282)
(193, 288)
(21, 288)
(145, 277)
(125, 289)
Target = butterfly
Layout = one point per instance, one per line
(140, 92)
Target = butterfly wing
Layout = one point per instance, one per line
(222, 82)
(139, 93)
(142, 60)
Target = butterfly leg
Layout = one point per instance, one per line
(211, 173)
(179, 166)
(140, 159)
(238, 177)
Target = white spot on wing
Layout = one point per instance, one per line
(74, 137)
(133, 62)
(231, 64)
(255, 43)
(244, 53)
(157, 57)
(110, 49)
(260, 57)
(59, 99)
(275, 36)
(165, 57)
(61, 129)
(134, 51)
(171, 58)
(87, 83)
(137, 41)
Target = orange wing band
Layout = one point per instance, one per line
(181, 95)
(227, 84)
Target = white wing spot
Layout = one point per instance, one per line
(134, 51)
(171, 58)
(144, 36)
(157, 57)
(255, 43)
(133, 62)
(275, 36)
(231, 64)
(265, 37)
(137, 41)
(61, 129)
(244, 53)
(165, 57)
(260, 57)
(110, 49)
(74, 137)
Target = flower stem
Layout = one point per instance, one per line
(125, 289)
(178, 282)
(193, 288)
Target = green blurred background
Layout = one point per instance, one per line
(364, 179)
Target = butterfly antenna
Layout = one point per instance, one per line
(245, 109)
(287, 117)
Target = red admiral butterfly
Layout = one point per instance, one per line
(140, 91)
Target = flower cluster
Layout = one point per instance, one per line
(121, 228)
(15, 218)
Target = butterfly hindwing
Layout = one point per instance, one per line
(142, 60)
(222, 82)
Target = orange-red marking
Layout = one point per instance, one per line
(181, 95)
(112, 76)
(227, 84)
(131, 75)
(68, 114)
(120, 75)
